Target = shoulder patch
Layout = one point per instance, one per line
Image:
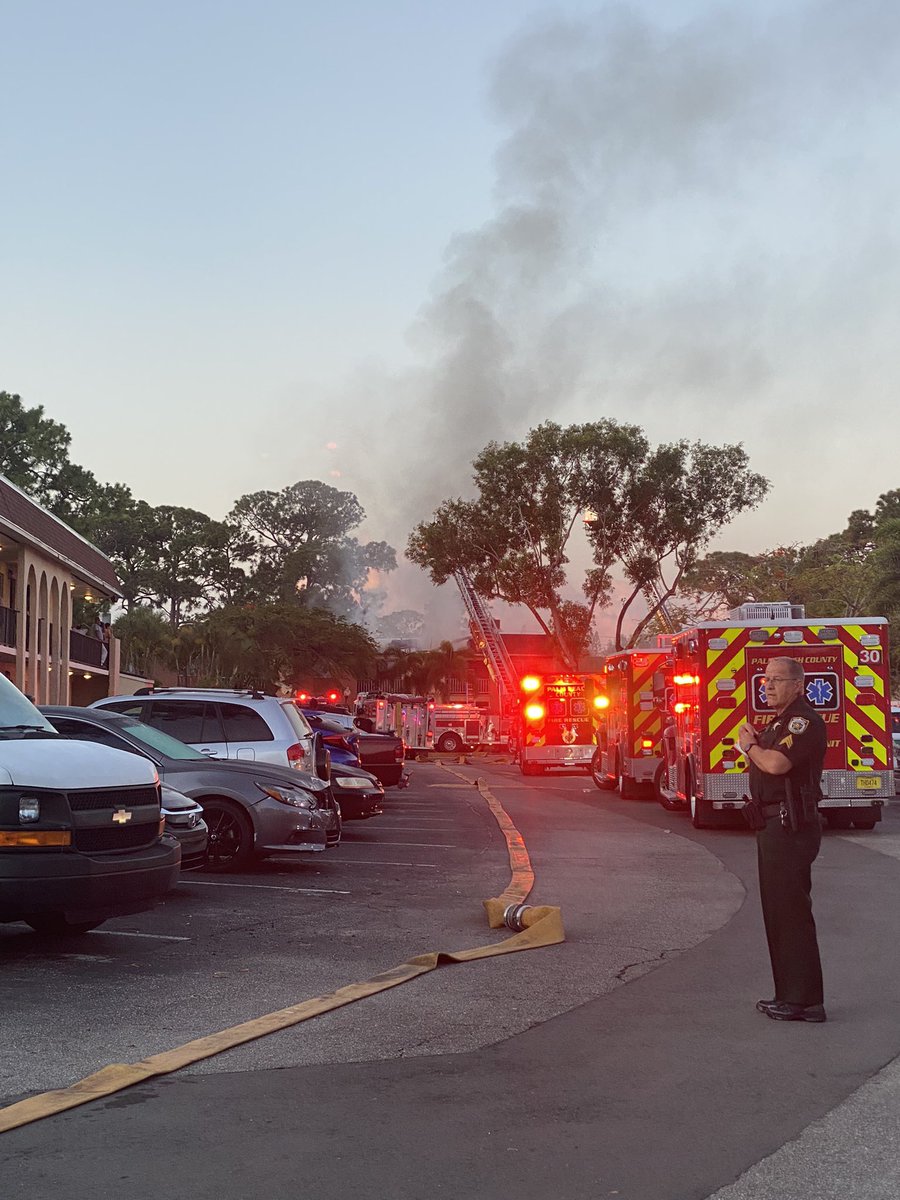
(798, 724)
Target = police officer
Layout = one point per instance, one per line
(785, 776)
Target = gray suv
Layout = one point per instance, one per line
(249, 726)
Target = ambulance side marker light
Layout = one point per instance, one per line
(601, 702)
(534, 712)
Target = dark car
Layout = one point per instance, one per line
(184, 822)
(359, 794)
(381, 754)
(252, 809)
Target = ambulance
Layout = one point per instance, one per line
(557, 720)
(638, 691)
(425, 724)
(718, 678)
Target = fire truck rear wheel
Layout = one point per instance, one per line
(450, 743)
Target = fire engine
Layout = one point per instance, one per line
(425, 724)
(719, 670)
(557, 721)
(638, 690)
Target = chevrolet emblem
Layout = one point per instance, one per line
(121, 815)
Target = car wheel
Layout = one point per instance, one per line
(230, 844)
(58, 925)
(450, 743)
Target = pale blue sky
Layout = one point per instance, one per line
(224, 233)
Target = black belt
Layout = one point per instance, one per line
(772, 805)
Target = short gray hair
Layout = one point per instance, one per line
(793, 669)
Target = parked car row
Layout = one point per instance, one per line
(102, 827)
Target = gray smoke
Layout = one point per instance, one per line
(695, 226)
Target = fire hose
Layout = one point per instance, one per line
(533, 926)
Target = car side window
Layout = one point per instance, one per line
(131, 708)
(243, 724)
(187, 720)
(81, 731)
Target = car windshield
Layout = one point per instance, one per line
(17, 714)
(156, 739)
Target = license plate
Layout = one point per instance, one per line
(868, 783)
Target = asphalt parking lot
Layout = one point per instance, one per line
(540, 1073)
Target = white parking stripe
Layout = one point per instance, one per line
(378, 862)
(159, 937)
(271, 887)
(430, 845)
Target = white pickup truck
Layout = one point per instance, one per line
(80, 826)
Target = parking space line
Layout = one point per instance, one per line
(429, 845)
(159, 937)
(271, 887)
(378, 862)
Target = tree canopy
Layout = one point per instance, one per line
(647, 513)
(301, 548)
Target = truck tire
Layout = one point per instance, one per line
(450, 743)
(599, 776)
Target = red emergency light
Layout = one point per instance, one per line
(303, 697)
(333, 697)
(530, 683)
(601, 702)
(647, 743)
(534, 712)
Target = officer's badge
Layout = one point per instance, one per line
(798, 724)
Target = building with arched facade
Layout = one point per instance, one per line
(45, 566)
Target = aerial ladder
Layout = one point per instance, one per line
(487, 638)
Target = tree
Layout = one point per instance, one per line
(34, 455)
(268, 646)
(301, 548)
(647, 513)
(146, 639)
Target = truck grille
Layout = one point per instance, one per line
(112, 798)
(98, 841)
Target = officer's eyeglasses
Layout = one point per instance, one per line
(779, 679)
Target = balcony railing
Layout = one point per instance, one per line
(7, 626)
(86, 650)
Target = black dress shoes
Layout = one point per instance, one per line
(779, 1010)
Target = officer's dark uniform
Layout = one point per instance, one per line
(785, 857)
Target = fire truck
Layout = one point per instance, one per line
(719, 671)
(638, 690)
(556, 721)
(425, 724)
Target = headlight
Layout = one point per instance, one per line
(286, 795)
(29, 809)
(351, 781)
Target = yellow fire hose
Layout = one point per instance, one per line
(537, 926)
